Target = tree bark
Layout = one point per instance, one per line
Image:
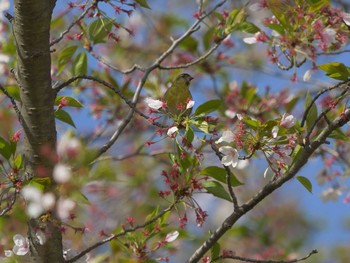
(31, 25)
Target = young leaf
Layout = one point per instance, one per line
(64, 57)
(80, 64)
(14, 92)
(65, 117)
(248, 27)
(219, 174)
(216, 189)
(143, 3)
(99, 29)
(312, 114)
(5, 149)
(336, 70)
(305, 182)
(215, 251)
(207, 107)
(71, 102)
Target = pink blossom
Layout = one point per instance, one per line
(287, 121)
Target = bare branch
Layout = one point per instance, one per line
(304, 156)
(111, 87)
(92, 5)
(243, 259)
(196, 61)
(124, 232)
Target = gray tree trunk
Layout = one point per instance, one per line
(31, 25)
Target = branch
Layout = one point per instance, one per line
(228, 177)
(93, 5)
(104, 62)
(111, 87)
(267, 261)
(196, 61)
(339, 85)
(155, 65)
(270, 187)
(124, 232)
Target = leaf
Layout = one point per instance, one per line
(338, 134)
(219, 174)
(64, 57)
(248, 27)
(99, 29)
(6, 149)
(80, 64)
(18, 161)
(189, 43)
(216, 189)
(207, 107)
(64, 117)
(316, 5)
(189, 135)
(203, 126)
(14, 92)
(143, 3)
(42, 182)
(312, 114)
(336, 70)
(305, 182)
(71, 102)
(215, 251)
(255, 124)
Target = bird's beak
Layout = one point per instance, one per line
(191, 78)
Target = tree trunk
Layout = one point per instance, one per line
(31, 25)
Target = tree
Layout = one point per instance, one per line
(116, 59)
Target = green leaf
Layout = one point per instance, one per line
(338, 134)
(189, 44)
(312, 115)
(143, 3)
(71, 102)
(18, 161)
(203, 126)
(6, 149)
(99, 29)
(64, 117)
(42, 182)
(305, 182)
(189, 135)
(215, 251)
(14, 92)
(248, 27)
(280, 9)
(207, 107)
(255, 124)
(336, 70)
(316, 5)
(64, 57)
(219, 174)
(216, 189)
(80, 64)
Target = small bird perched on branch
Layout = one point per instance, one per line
(177, 97)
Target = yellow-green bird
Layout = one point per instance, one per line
(177, 96)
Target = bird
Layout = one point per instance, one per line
(177, 97)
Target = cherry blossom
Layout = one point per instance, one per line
(189, 104)
(62, 173)
(227, 136)
(287, 121)
(171, 132)
(172, 236)
(230, 156)
(21, 247)
(154, 104)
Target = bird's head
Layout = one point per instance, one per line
(184, 78)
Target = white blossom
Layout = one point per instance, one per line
(230, 156)
(230, 114)
(68, 146)
(64, 208)
(227, 136)
(307, 75)
(62, 173)
(172, 131)
(190, 104)
(172, 236)
(8, 253)
(287, 121)
(153, 104)
(346, 18)
(21, 247)
(274, 132)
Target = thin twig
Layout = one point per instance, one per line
(93, 5)
(124, 232)
(266, 261)
(228, 177)
(111, 87)
(339, 85)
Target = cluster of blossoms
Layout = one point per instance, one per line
(299, 30)
(276, 153)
